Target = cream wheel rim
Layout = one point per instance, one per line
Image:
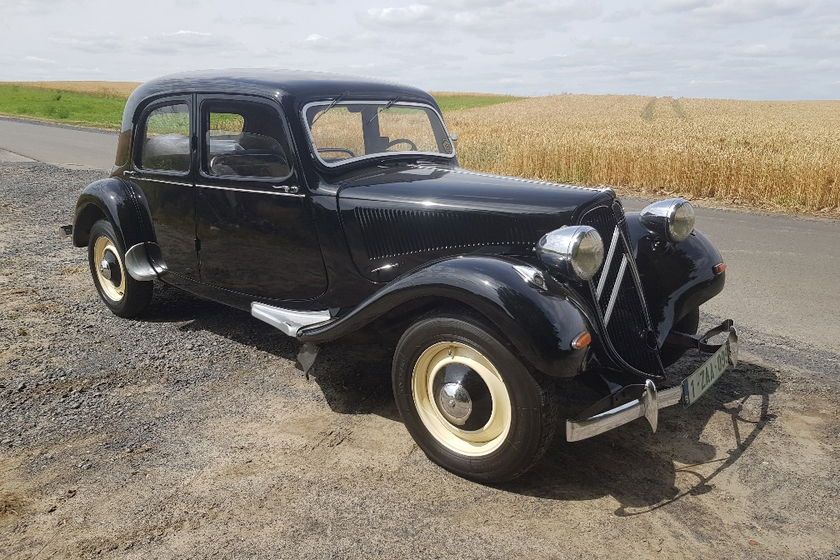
(452, 386)
(107, 262)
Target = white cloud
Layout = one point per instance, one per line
(514, 18)
(733, 11)
(185, 40)
(39, 60)
(402, 15)
(95, 44)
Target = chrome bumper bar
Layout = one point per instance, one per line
(651, 400)
(647, 406)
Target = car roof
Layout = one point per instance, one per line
(301, 86)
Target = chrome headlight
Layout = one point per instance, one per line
(672, 218)
(575, 251)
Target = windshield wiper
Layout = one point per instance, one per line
(383, 109)
(332, 104)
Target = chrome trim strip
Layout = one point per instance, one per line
(607, 263)
(287, 320)
(379, 154)
(141, 178)
(273, 193)
(616, 287)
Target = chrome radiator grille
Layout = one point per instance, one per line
(617, 296)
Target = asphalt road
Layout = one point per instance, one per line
(57, 144)
(783, 278)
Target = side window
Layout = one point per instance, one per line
(166, 139)
(244, 139)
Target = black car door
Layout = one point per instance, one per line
(163, 166)
(255, 225)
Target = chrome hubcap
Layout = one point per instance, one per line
(455, 403)
(109, 267)
(105, 269)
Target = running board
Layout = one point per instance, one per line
(288, 320)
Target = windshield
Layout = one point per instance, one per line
(351, 130)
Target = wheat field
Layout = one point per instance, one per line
(770, 154)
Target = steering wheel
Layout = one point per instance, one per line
(402, 141)
(344, 150)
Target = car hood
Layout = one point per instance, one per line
(397, 218)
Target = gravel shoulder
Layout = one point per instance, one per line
(190, 434)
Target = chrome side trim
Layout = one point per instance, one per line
(140, 264)
(616, 288)
(287, 320)
(272, 193)
(164, 181)
(606, 270)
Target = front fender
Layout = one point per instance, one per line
(540, 325)
(118, 201)
(677, 277)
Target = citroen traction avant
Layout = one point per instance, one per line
(329, 206)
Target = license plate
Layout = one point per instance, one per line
(705, 376)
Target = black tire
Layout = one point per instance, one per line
(533, 410)
(688, 324)
(128, 297)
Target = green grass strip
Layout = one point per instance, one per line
(99, 111)
(466, 101)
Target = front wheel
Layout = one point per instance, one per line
(124, 296)
(470, 404)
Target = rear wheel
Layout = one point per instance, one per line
(124, 296)
(470, 404)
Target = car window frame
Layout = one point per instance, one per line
(140, 135)
(313, 148)
(202, 149)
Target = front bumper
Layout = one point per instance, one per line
(650, 401)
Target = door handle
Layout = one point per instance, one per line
(285, 188)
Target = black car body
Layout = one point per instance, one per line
(223, 187)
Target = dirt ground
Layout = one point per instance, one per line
(190, 434)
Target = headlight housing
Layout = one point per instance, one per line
(672, 218)
(574, 251)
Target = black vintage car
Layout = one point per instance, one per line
(326, 205)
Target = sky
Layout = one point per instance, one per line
(746, 49)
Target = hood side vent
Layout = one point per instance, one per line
(391, 232)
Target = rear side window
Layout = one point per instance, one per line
(244, 139)
(166, 139)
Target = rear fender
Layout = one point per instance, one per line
(118, 201)
(538, 324)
